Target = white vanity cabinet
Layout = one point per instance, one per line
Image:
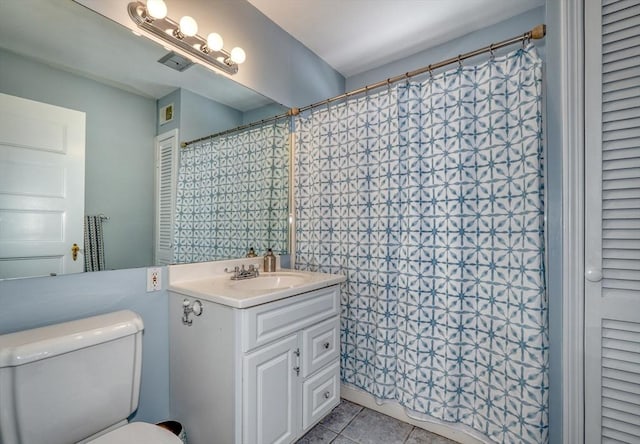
(263, 374)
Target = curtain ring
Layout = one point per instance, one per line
(459, 61)
(526, 38)
(430, 69)
(492, 52)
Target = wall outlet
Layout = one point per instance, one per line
(154, 279)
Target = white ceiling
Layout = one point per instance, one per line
(354, 36)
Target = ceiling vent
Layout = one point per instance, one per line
(176, 61)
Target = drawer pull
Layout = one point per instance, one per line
(326, 345)
(327, 394)
(296, 369)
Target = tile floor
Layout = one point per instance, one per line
(350, 423)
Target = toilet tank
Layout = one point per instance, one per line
(65, 382)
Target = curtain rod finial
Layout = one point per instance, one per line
(294, 111)
(539, 32)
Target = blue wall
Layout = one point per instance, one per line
(30, 303)
(119, 164)
(554, 219)
(484, 37)
(263, 113)
(174, 99)
(201, 116)
(196, 116)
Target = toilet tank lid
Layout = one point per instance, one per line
(32, 345)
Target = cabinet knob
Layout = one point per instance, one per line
(326, 345)
(327, 394)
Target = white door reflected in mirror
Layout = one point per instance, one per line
(41, 188)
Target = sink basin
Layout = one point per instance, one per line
(199, 281)
(270, 281)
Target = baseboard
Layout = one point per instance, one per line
(456, 432)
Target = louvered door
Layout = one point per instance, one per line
(166, 167)
(612, 221)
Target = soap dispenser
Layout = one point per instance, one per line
(251, 253)
(269, 265)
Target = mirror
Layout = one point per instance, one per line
(59, 52)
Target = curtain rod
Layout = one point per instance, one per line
(536, 33)
(239, 128)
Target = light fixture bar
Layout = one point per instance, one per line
(195, 46)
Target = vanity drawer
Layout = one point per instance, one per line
(320, 345)
(267, 322)
(320, 394)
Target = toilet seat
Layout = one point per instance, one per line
(138, 433)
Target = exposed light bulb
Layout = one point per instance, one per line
(157, 9)
(188, 26)
(214, 42)
(238, 55)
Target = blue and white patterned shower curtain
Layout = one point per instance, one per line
(429, 197)
(232, 195)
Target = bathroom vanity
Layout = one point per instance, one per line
(255, 360)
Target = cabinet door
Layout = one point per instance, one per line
(271, 393)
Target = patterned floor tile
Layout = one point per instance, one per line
(339, 417)
(371, 427)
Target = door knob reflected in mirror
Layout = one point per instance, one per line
(74, 251)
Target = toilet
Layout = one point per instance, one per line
(75, 382)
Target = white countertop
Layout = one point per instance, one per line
(222, 290)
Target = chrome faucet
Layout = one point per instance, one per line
(243, 273)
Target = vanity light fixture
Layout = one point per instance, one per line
(152, 17)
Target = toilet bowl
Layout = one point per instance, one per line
(74, 382)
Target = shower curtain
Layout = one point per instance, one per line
(428, 196)
(232, 195)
